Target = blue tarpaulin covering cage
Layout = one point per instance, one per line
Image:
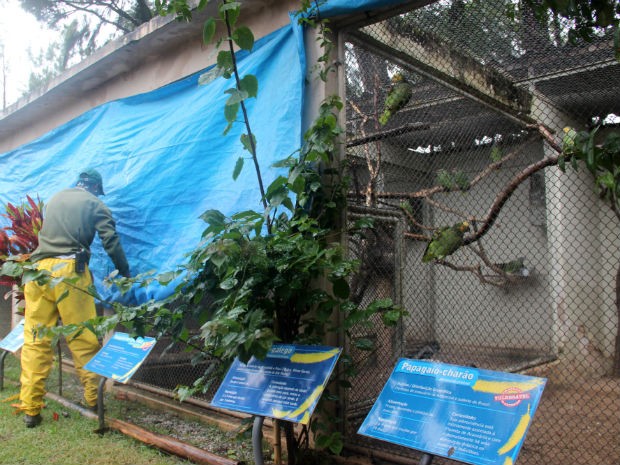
(163, 157)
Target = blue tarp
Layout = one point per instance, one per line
(163, 158)
(342, 7)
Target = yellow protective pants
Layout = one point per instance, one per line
(43, 307)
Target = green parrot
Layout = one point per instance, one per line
(512, 266)
(515, 267)
(398, 96)
(445, 241)
(568, 141)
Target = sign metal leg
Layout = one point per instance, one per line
(100, 407)
(59, 368)
(426, 459)
(257, 440)
(2, 357)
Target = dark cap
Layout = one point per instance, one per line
(92, 177)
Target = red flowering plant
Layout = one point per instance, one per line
(25, 222)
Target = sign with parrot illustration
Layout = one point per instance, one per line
(466, 414)
(14, 341)
(286, 385)
(121, 356)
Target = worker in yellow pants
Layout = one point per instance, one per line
(72, 218)
(43, 310)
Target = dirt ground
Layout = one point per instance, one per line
(576, 424)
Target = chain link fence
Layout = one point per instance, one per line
(473, 95)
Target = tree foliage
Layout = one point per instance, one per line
(84, 26)
(122, 15)
(73, 45)
(587, 18)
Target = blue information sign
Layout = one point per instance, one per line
(14, 340)
(467, 414)
(286, 385)
(121, 357)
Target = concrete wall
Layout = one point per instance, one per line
(583, 242)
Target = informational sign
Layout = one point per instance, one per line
(286, 385)
(14, 340)
(467, 414)
(121, 357)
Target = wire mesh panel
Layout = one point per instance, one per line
(173, 365)
(169, 366)
(503, 261)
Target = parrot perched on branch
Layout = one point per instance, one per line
(445, 241)
(398, 96)
(516, 266)
(568, 141)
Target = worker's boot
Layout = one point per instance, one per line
(33, 420)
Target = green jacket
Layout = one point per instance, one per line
(71, 218)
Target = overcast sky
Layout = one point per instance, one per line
(19, 31)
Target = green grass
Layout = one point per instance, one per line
(69, 440)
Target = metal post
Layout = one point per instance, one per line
(100, 409)
(426, 459)
(59, 369)
(2, 357)
(257, 440)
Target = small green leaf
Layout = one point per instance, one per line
(562, 163)
(92, 290)
(236, 96)
(298, 185)
(210, 76)
(393, 317)
(496, 154)
(243, 37)
(336, 444)
(230, 11)
(364, 343)
(238, 168)
(247, 142)
(607, 180)
(218, 259)
(229, 6)
(213, 218)
(249, 84)
(230, 112)
(224, 60)
(62, 296)
(228, 284)
(165, 278)
(247, 215)
(276, 184)
(208, 30)
(11, 269)
(184, 393)
(323, 441)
